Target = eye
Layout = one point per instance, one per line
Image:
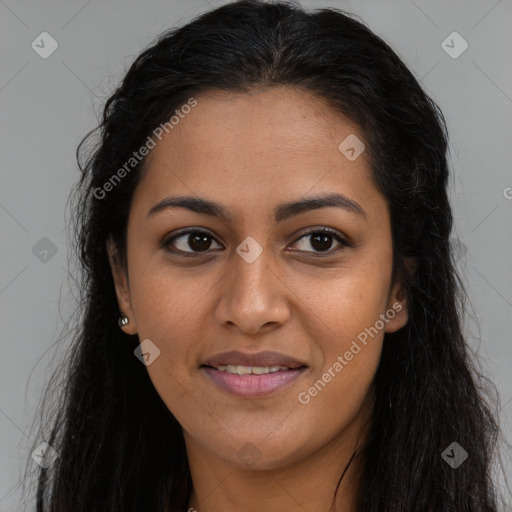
(194, 242)
(198, 241)
(321, 240)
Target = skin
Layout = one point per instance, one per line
(251, 152)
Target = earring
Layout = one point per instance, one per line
(123, 320)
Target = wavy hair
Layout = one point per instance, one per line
(120, 448)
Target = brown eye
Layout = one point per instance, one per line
(190, 242)
(321, 241)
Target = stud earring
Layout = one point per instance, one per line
(123, 320)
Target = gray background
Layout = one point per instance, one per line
(47, 105)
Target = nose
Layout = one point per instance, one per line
(252, 297)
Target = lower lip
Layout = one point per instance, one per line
(253, 385)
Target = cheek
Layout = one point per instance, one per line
(167, 314)
(351, 343)
(348, 328)
(345, 306)
(163, 304)
(338, 389)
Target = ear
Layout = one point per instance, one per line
(122, 287)
(397, 310)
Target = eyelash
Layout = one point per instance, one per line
(328, 231)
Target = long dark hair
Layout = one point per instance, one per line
(120, 448)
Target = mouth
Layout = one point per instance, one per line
(249, 370)
(252, 375)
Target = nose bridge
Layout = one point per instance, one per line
(252, 296)
(251, 273)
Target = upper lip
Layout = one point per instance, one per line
(263, 359)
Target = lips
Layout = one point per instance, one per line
(252, 386)
(248, 375)
(260, 359)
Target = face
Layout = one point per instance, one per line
(305, 289)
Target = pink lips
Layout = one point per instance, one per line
(265, 358)
(252, 385)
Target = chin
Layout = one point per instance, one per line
(260, 454)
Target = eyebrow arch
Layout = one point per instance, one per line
(282, 212)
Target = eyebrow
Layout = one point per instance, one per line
(282, 212)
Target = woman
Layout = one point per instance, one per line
(271, 317)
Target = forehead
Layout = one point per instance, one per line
(252, 148)
(264, 122)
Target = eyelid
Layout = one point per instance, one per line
(341, 239)
(323, 229)
(166, 242)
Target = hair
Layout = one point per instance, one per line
(120, 448)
